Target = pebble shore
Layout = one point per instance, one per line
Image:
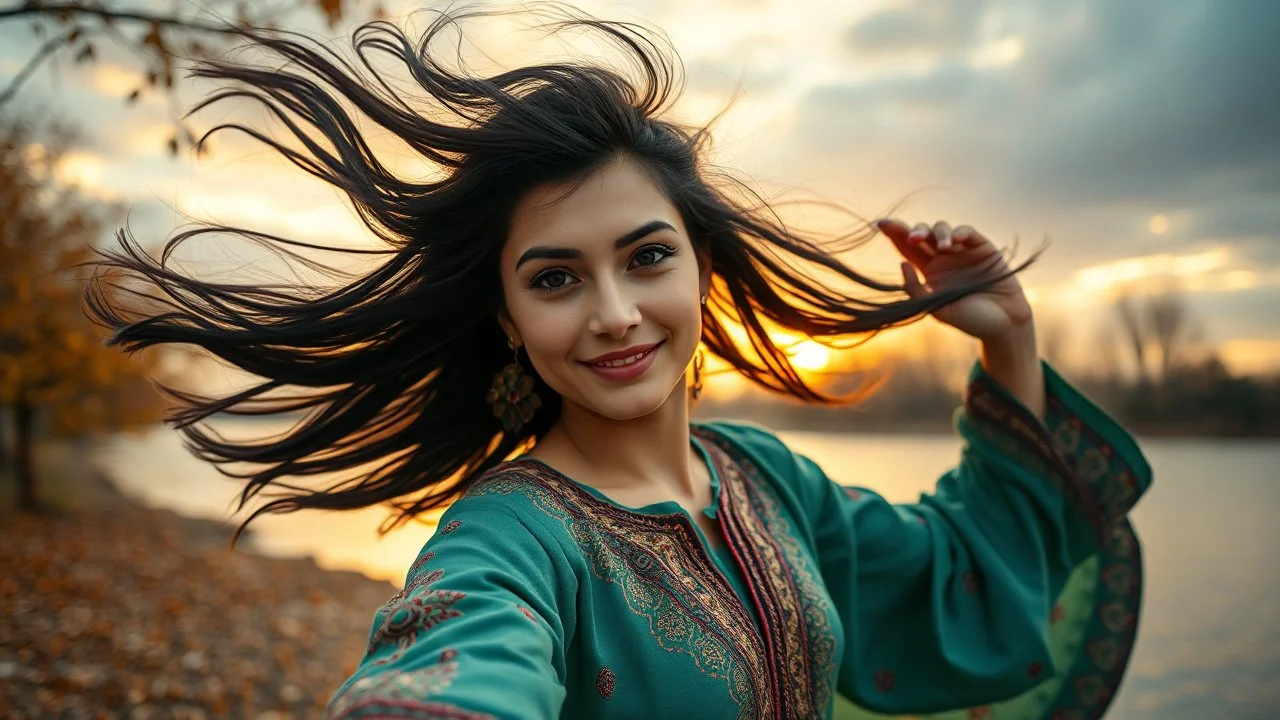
(124, 611)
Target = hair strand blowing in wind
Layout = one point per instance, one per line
(392, 366)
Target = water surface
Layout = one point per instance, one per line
(1209, 642)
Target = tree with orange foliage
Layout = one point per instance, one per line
(55, 371)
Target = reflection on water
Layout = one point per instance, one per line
(156, 468)
(1209, 645)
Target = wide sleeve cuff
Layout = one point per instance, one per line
(1078, 445)
(1097, 463)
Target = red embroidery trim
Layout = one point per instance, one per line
(794, 659)
(451, 527)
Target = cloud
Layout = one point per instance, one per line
(1171, 104)
(1156, 102)
(920, 27)
(1074, 121)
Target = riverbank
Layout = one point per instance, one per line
(111, 609)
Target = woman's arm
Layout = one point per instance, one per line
(959, 600)
(478, 613)
(1013, 361)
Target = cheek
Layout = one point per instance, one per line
(677, 306)
(549, 330)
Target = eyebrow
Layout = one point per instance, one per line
(552, 253)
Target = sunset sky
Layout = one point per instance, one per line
(1141, 136)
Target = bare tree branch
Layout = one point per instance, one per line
(1131, 324)
(1169, 319)
(46, 51)
(170, 36)
(30, 8)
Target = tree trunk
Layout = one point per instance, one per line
(4, 438)
(24, 467)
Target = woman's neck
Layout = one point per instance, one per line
(650, 451)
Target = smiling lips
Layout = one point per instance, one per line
(624, 364)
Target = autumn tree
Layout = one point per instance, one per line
(55, 371)
(157, 41)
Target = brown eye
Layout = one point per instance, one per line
(651, 255)
(553, 279)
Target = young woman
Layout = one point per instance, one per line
(520, 355)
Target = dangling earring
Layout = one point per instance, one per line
(512, 394)
(697, 374)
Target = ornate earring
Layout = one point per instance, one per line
(512, 393)
(697, 374)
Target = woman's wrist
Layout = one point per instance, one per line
(1013, 361)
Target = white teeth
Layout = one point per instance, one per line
(623, 361)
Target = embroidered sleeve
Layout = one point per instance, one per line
(477, 612)
(1012, 590)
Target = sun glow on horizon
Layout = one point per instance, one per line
(806, 354)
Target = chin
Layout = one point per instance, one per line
(630, 409)
(629, 403)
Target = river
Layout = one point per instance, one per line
(1209, 642)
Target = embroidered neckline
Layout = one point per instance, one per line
(664, 573)
(650, 510)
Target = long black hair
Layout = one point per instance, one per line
(392, 366)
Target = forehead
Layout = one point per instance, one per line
(616, 198)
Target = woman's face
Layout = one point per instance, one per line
(603, 289)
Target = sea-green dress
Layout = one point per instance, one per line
(1012, 591)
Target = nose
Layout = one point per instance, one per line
(615, 312)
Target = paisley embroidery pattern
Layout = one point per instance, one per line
(790, 597)
(663, 574)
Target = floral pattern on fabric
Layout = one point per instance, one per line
(658, 564)
(404, 695)
(1098, 481)
(415, 609)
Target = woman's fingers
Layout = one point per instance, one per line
(942, 235)
(966, 235)
(911, 282)
(930, 240)
(899, 234)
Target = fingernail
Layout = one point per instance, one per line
(882, 222)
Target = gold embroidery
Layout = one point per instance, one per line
(664, 576)
(793, 601)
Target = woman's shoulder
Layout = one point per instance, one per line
(515, 496)
(758, 442)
